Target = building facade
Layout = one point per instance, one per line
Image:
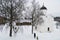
(48, 25)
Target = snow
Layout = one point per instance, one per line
(24, 20)
(24, 33)
(49, 36)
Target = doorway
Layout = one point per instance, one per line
(48, 29)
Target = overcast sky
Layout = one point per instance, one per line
(53, 6)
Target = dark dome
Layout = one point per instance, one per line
(43, 7)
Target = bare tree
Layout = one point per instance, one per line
(12, 10)
(36, 14)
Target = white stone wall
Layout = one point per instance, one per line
(48, 22)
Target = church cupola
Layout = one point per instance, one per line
(43, 7)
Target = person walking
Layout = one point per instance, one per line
(34, 35)
(37, 38)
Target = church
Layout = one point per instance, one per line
(48, 25)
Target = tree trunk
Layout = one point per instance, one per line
(32, 29)
(33, 20)
(11, 29)
(11, 20)
(32, 23)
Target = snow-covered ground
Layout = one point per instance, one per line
(49, 36)
(24, 33)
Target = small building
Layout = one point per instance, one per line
(23, 22)
(2, 20)
(57, 20)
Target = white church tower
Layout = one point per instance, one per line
(48, 24)
(43, 9)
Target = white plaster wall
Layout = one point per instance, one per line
(44, 11)
(48, 22)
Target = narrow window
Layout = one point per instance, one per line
(48, 29)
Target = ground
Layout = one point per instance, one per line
(25, 34)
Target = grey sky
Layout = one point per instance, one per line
(53, 6)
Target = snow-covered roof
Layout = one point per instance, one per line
(25, 21)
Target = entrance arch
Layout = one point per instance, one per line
(48, 29)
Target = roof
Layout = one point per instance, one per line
(57, 19)
(43, 7)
